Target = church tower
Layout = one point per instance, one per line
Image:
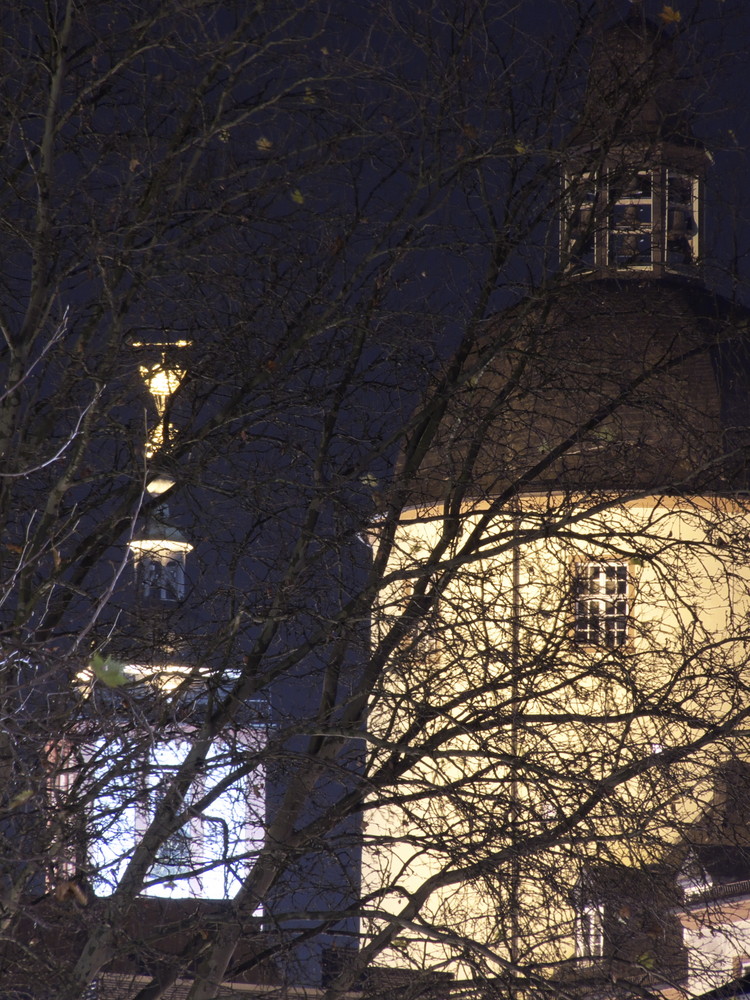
(567, 575)
(629, 369)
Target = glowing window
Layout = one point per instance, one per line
(601, 606)
(590, 931)
(209, 855)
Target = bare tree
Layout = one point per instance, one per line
(271, 564)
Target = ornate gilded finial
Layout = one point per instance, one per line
(162, 380)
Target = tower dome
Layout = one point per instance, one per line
(629, 375)
(620, 386)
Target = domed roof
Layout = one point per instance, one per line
(633, 386)
(627, 375)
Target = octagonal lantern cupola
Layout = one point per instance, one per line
(633, 171)
(159, 550)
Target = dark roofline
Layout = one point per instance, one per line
(735, 988)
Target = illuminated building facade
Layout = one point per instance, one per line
(581, 652)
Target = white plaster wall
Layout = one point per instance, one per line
(687, 648)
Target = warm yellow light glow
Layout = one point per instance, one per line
(477, 652)
(159, 484)
(165, 677)
(161, 343)
(161, 382)
(156, 546)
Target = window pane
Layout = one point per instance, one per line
(209, 856)
(601, 607)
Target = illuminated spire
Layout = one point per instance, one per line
(162, 380)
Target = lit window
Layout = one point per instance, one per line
(210, 854)
(159, 551)
(601, 603)
(161, 574)
(590, 931)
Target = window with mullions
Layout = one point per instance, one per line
(601, 607)
(175, 856)
(582, 221)
(631, 221)
(210, 854)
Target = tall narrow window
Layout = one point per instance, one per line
(582, 222)
(175, 859)
(601, 606)
(161, 574)
(682, 230)
(630, 230)
(590, 931)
